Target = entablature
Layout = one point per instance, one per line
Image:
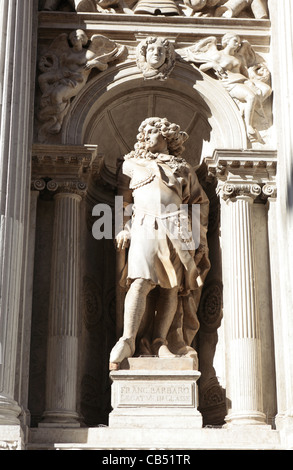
(132, 28)
(248, 173)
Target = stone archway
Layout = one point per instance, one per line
(117, 100)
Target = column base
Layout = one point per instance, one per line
(9, 411)
(155, 393)
(246, 418)
(55, 419)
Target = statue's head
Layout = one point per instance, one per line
(155, 57)
(159, 135)
(78, 38)
(231, 39)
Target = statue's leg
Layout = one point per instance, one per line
(134, 308)
(166, 310)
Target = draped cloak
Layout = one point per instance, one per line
(162, 248)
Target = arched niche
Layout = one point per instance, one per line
(112, 105)
(107, 113)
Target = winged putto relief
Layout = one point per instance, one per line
(65, 68)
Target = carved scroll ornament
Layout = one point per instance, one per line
(65, 68)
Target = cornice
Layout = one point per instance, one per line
(244, 173)
(62, 168)
(129, 28)
(254, 165)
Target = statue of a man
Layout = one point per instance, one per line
(162, 255)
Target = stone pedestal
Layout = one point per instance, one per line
(155, 393)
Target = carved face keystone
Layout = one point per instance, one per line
(155, 55)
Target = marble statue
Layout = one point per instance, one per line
(78, 5)
(155, 57)
(157, 7)
(233, 8)
(216, 8)
(95, 6)
(164, 271)
(236, 65)
(65, 68)
(199, 7)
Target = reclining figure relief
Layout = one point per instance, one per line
(241, 72)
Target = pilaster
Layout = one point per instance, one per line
(16, 78)
(282, 225)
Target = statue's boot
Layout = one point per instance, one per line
(123, 349)
(135, 304)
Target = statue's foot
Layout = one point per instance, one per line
(160, 348)
(123, 349)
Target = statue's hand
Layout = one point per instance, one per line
(122, 240)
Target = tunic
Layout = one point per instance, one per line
(161, 243)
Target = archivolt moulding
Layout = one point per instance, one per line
(109, 109)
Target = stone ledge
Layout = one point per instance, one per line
(105, 438)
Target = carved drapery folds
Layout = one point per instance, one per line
(207, 8)
(65, 68)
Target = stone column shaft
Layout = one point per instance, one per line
(244, 387)
(63, 313)
(16, 67)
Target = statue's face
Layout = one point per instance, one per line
(155, 55)
(233, 42)
(155, 142)
(77, 38)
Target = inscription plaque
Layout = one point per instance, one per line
(159, 394)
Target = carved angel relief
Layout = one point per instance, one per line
(65, 69)
(245, 77)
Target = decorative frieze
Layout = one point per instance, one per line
(207, 8)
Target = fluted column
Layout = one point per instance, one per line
(16, 104)
(244, 387)
(62, 356)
